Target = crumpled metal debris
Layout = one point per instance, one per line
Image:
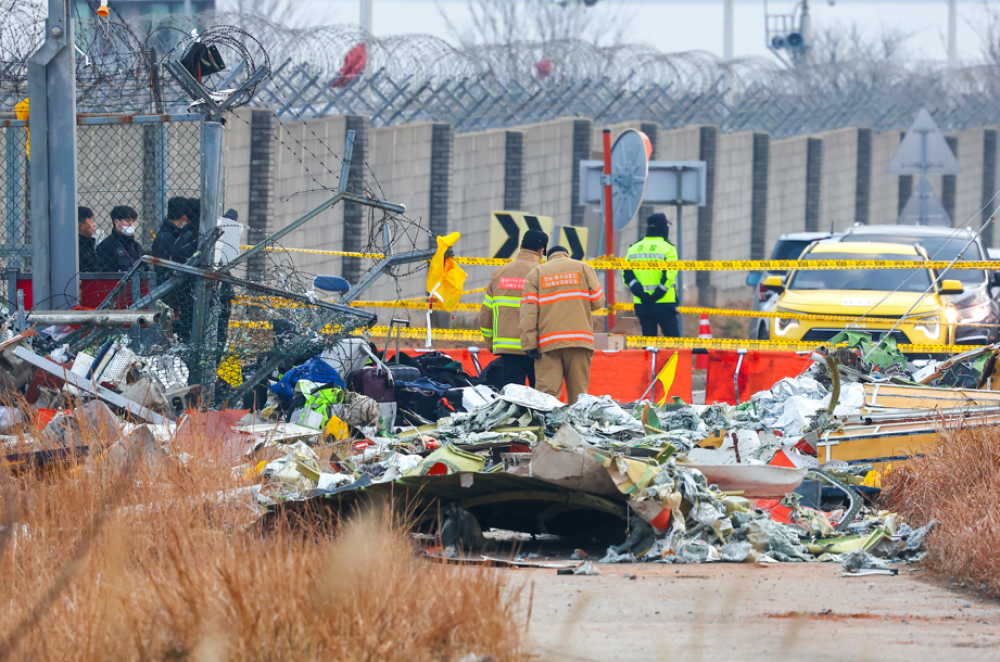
(859, 560)
(778, 541)
(736, 552)
(614, 557)
(529, 398)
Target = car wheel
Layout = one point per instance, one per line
(763, 332)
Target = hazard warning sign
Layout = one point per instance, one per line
(506, 228)
(574, 239)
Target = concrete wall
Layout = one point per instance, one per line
(786, 200)
(733, 190)
(306, 174)
(477, 191)
(837, 196)
(548, 169)
(236, 156)
(400, 162)
(884, 207)
(481, 171)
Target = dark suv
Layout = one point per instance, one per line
(977, 304)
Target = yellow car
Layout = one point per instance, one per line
(862, 294)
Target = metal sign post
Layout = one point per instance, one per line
(609, 229)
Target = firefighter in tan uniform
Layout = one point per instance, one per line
(499, 316)
(557, 327)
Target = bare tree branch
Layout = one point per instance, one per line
(282, 12)
(502, 22)
(989, 38)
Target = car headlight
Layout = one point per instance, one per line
(932, 331)
(783, 326)
(951, 314)
(974, 314)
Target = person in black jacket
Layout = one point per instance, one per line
(177, 242)
(174, 240)
(120, 250)
(86, 227)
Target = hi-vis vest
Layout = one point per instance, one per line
(499, 316)
(653, 248)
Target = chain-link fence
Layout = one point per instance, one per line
(122, 160)
(221, 334)
(15, 235)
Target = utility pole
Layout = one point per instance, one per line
(805, 29)
(952, 34)
(52, 120)
(579, 21)
(728, 16)
(366, 17)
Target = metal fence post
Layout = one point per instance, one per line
(204, 329)
(52, 90)
(155, 181)
(211, 174)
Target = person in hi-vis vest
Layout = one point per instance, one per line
(654, 292)
(500, 314)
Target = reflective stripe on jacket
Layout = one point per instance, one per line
(499, 316)
(652, 248)
(557, 307)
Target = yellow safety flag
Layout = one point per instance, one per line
(666, 377)
(22, 111)
(445, 279)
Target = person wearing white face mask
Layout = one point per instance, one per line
(120, 250)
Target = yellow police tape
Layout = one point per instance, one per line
(779, 265)
(413, 304)
(639, 342)
(699, 265)
(636, 342)
(421, 304)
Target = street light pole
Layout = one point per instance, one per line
(728, 29)
(366, 16)
(952, 34)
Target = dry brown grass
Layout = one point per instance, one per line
(956, 483)
(100, 563)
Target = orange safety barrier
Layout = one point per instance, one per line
(759, 372)
(623, 374)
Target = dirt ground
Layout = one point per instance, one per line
(801, 611)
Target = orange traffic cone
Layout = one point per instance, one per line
(704, 331)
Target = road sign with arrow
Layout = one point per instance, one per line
(506, 228)
(574, 239)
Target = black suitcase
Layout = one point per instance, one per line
(400, 372)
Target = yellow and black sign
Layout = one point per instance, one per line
(574, 239)
(506, 228)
